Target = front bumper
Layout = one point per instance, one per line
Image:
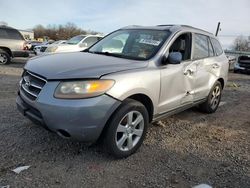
(82, 120)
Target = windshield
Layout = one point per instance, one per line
(135, 44)
(75, 40)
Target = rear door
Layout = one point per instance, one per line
(203, 56)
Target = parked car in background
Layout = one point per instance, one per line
(40, 49)
(243, 64)
(32, 44)
(128, 79)
(42, 45)
(12, 44)
(75, 44)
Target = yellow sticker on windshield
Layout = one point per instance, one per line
(150, 42)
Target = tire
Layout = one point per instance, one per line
(4, 57)
(213, 99)
(123, 135)
(235, 71)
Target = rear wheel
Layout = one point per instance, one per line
(126, 129)
(4, 57)
(213, 100)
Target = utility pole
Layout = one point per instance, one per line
(218, 29)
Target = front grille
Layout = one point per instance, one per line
(31, 85)
(43, 48)
(244, 63)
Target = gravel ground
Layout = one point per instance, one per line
(182, 151)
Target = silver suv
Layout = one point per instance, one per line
(12, 44)
(133, 76)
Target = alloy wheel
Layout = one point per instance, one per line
(215, 98)
(3, 58)
(129, 130)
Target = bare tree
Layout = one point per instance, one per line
(58, 32)
(241, 43)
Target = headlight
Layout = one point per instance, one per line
(51, 49)
(82, 89)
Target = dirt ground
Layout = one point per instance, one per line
(182, 151)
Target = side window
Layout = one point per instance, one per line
(217, 47)
(14, 34)
(200, 46)
(3, 34)
(183, 45)
(90, 41)
(210, 48)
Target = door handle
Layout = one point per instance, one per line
(216, 66)
(188, 72)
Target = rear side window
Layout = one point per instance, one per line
(200, 47)
(217, 47)
(10, 34)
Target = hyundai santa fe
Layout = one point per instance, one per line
(114, 89)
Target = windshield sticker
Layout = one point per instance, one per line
(150, 42)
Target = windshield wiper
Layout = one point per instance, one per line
(106, 53)
(114, 55)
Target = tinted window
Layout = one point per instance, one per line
(200, 46)
(210, 48)
(90, 41)
(3, 34)
(10, 34)
(217, 47)
(14, 34)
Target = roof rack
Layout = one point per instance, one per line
(188, 26)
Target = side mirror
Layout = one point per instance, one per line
(174, 58)
(83, 45)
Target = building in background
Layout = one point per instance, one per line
(27, 34)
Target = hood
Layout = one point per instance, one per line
(79, 65)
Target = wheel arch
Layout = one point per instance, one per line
(6, 50)
(146, 101)
(221, 80)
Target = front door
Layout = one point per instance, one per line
(177, 80)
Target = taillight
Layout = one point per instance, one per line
(25, 45)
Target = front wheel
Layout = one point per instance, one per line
(213, 99)
(126, 129)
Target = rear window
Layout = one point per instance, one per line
(217, 47)
(10, 34)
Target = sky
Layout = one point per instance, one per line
(108, 15)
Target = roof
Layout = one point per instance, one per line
(6, 27)
(170, 27)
